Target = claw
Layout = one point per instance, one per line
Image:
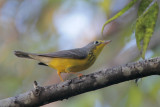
(79, 75)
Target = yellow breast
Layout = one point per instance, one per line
(71, 65)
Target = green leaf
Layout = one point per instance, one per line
(143, 5)
(119, 14)
(145, 26)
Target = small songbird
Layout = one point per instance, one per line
(69, 61)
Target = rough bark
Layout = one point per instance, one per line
(103, 78)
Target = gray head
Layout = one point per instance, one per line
(96, 46)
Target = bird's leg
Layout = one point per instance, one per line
(59, 74)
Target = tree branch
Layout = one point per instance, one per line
(103, 78)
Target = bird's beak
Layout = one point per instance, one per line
(107, 41)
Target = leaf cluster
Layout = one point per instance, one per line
(145, 23)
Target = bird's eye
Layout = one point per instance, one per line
(96, 42)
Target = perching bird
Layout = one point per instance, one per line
(69, 61)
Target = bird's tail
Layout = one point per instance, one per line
(22, 54)
(42, 59)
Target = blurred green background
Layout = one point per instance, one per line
(43, 26)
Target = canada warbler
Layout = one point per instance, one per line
(69, 61)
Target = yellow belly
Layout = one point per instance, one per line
(69, 65)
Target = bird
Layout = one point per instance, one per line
(68, 61)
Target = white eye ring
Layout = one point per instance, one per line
(96, 42)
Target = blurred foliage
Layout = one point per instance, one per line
(106, 5)
(134, 95)
(43, 26)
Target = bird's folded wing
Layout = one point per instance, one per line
(73, 53)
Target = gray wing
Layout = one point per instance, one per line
(78, 53)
